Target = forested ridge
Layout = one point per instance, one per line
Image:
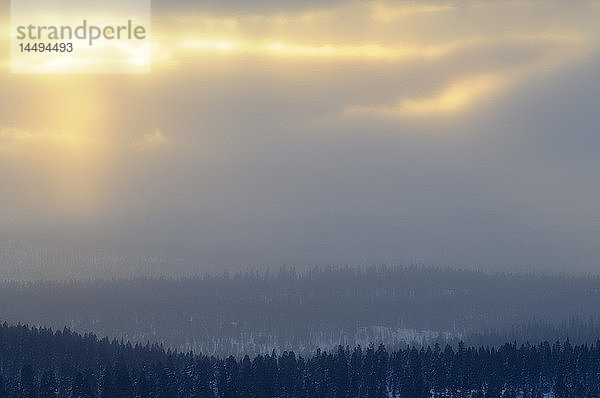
(42, 363)
(251, 313)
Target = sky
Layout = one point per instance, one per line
(460, 134)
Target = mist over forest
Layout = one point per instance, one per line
(258, 312)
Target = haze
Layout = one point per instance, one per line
(269, 133)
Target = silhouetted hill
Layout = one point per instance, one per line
(258, 312)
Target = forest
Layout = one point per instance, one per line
(255, 313)
(41, 363)
(329, 332)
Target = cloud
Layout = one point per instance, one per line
(383, 12)
(152, 140)
(16, 139)
(453, 99)
(11, 137)
(464, 93)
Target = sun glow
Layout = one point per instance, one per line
(451, 100)
(343, 61)
(383, 12)
(454, 98)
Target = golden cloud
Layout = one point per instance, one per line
(455, 97)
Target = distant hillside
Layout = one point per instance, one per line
(256, 313)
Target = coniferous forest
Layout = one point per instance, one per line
(474, 335)
(42, 363)
(255, 312)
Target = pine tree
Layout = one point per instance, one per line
(231, 378)
(3, 393)
(77, 386)
(27, 382)
(246, 377)
(123, 384)
(381, 370)
(48, 387)
(109, 388)
(341, 383)
(356, 364)
(142, 386)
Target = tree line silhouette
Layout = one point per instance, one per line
(37, 362)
